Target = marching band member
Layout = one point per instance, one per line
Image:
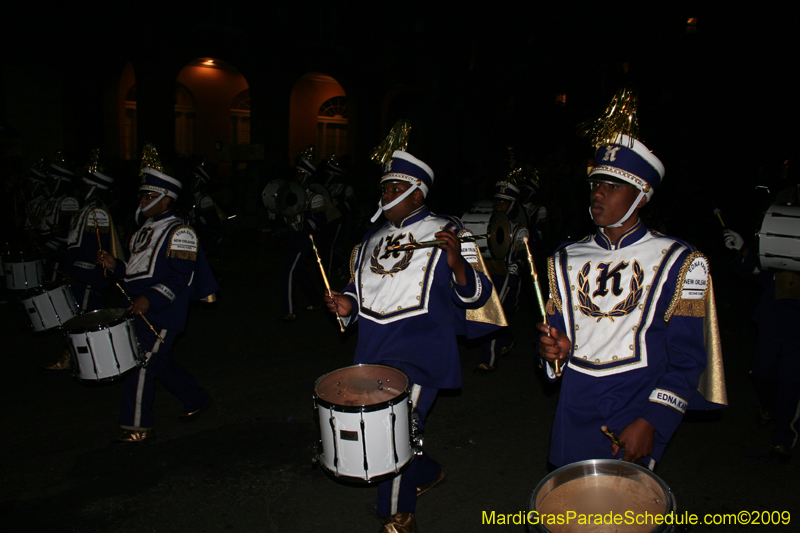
(309, 221)
(58, 210)
(166, 269)
(90, 228)
(626, 320)
(410, 305)
(775, 369)
(505, 272)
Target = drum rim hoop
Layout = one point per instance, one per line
(669, 495)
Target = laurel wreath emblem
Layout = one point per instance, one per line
(589, 308)
(376, 267)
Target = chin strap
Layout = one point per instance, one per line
(382, 208)
(89, 194)
(627, 215)
(149, 206)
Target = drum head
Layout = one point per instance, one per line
(499, 235)
(95, 319)
(361, 385)
(600, 486)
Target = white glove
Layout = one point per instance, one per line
(733, 241)
(513, 269)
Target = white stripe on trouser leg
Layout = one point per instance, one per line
(137, 413)
(415, 392)
(492, 351)
(291, 277)
(792, 425)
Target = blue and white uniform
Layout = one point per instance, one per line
(633, 310)
(410, 310)
(166, 266)
(81, 254)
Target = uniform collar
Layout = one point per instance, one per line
(629, 238)
(414, 216)
(166, 214)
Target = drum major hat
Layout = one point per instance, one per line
(60, 173)
(155, 181)
(505, 190)
(405, 167)
(628, 161)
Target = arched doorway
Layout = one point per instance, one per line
(318, 115)
(210, 108)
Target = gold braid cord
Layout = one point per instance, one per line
(551, 275)
(680, 307)
(353, 257)
(589, 308)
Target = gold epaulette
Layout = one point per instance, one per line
(683, 307)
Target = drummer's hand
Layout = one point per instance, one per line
(454, 258)
(340, 303)
(638, 438)
(556, 346)
(106, 260)
(140, 306)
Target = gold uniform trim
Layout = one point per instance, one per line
(492, 310)
(681, 307)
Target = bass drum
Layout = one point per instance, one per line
(496, 226)
(779, 238)
(284, 197)
(600, 487)
(365, 422)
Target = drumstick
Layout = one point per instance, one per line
(539, 297)
(327, 285)
(435, 242)
(143, 317)
(610, 434)
(719, 215)
(99, 244)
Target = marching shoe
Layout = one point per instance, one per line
(130, 436)
(430, 484)
(399, 523)
(507, 349)
(483, 368)
(287, 318)
(191, 417)
(63, 363)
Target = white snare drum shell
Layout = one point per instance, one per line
(381, 447)
(49, 309)
(104, 352)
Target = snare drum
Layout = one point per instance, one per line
(103, 344)
(599, 487)
(22, 272)
(49, 308)
(498, 228)
(365, 422)
(779, 238)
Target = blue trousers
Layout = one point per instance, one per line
(399, 494)
(138, 388)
